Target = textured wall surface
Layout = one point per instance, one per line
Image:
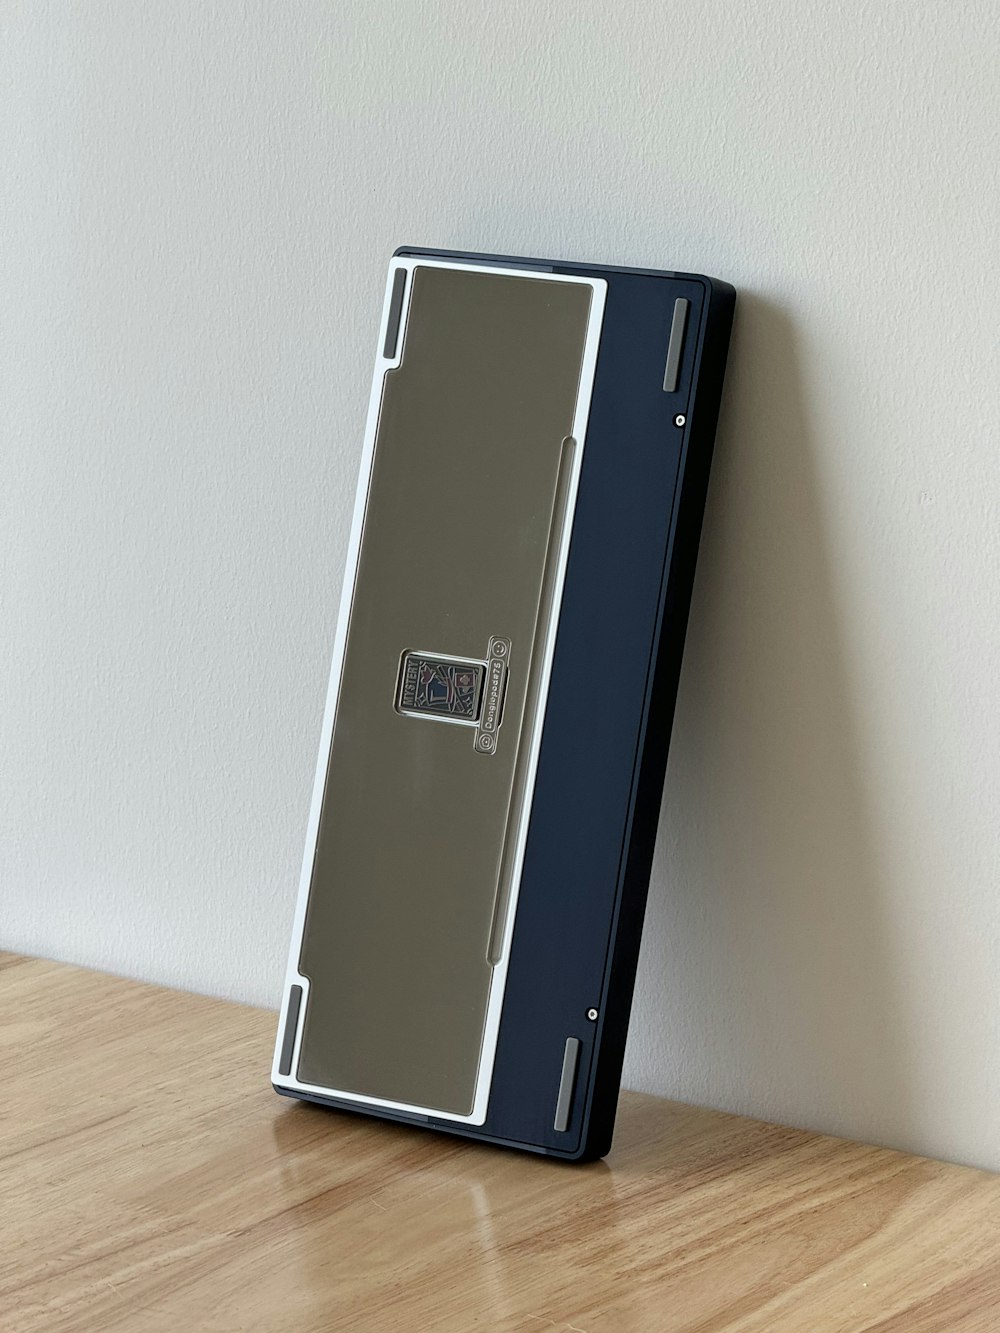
(198, 201)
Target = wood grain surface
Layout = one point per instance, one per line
(151, 1180)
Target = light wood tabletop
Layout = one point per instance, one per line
(151, 1180)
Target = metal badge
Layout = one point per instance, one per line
(440, 687)
(457, 689)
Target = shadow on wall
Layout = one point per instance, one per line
(767, 980)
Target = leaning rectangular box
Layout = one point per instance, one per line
(504, 675)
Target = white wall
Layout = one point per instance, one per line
(198, 203)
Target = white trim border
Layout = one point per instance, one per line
(498, 982)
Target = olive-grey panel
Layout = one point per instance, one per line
(411, 834)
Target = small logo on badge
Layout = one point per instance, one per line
(457, 689)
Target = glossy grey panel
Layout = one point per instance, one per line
(463, 503)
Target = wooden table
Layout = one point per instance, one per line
(151, 1180)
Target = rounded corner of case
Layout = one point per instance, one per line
(584, 1152)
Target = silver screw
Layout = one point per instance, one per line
(592, 1015)
(680, 419)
